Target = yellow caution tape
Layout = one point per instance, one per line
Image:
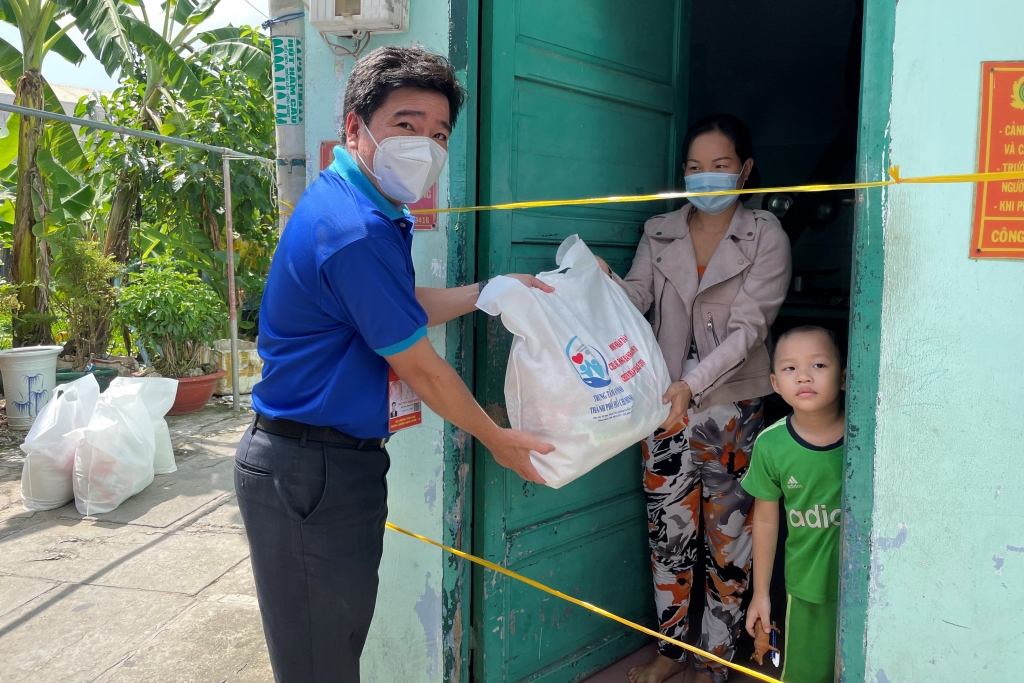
(894, 173)
(895, 179)
(586, 605)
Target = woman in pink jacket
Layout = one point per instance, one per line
(713, 276)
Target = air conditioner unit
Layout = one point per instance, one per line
(356, 18)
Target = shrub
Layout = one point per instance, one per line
(83, 295)
(173, 315)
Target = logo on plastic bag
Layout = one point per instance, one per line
(589, 363)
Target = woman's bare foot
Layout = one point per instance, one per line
(654, 671)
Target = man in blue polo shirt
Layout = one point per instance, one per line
(340, 309)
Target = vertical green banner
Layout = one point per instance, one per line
(289, 100)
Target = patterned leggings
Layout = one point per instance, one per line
(692, 471)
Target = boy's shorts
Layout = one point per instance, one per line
(810, 652)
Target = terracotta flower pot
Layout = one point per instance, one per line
(194, 392)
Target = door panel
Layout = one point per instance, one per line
(602, 31)
(579, 98)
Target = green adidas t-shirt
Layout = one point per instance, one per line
(809, 480)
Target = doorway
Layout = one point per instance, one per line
(585, 99)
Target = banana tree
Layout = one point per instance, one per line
(39, 23)
(164, 54)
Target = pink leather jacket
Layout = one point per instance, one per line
(730, 309)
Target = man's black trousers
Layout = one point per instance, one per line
(314, 514)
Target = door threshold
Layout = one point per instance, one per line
(616, 673)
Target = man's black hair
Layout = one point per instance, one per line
(391, 67)
(810, 329)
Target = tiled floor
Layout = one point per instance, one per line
(616, 673)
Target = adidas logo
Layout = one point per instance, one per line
(818, 517)
(794, 484)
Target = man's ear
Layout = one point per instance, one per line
(353, 126)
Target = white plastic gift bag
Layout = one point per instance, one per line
(158, 396)
(114, 457)
(49, 454)
(585, 372)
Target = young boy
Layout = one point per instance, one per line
(800, 459)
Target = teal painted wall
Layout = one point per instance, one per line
(947, 564)
(406, 641)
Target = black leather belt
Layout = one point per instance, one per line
(305, 432)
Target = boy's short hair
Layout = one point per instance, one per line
(810, 329)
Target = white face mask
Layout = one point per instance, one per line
(406, 165)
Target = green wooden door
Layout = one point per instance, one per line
(579, 98)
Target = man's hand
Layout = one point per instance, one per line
(531, 281)
(604, 265)
(444, 392)
(679, 395)
(512, 448)
(443, 305)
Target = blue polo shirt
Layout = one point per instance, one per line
(340, 296)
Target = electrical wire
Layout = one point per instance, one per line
(281, 19)
(361, 43)
(257, 9)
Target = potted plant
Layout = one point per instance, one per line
(83, 299)
(173, 315)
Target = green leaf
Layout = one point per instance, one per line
(9, 144)
(177, 121)
(224, 33)
(80, 202)
(57, 177)
(199, 13)
(11, 64)
(245, 57)
(65, 146)
(60, 137)
(64, 46)
(167, 239)
(173, 68)
(103, 25)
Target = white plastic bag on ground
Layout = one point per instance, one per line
(158, 396)
(49, 454)
(585, 372)
(114, 457)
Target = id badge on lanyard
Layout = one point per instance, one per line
(404, 407)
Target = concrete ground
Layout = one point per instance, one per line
(160, 589)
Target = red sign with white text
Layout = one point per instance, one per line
(998, 230)
(424, 221)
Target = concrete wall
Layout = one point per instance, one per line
(947, 574)
(406, 641)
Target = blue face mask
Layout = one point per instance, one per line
(712, 182)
